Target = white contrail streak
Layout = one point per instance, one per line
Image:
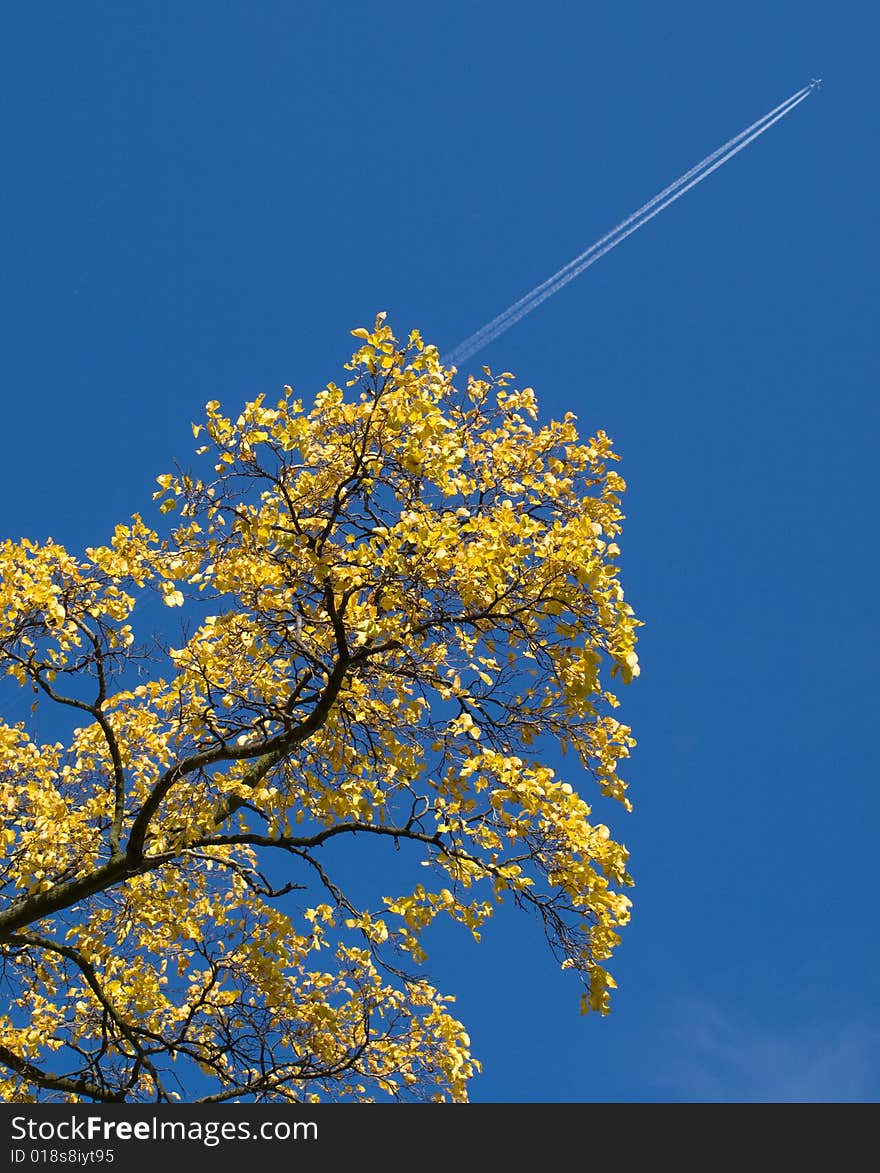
(610, 240)
(542, 292)
(489, 329)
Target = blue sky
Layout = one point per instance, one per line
(201, 200)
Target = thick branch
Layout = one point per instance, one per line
(293, 842)
(269, 753)
(57, 1083)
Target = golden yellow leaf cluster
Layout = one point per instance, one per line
(401, 601)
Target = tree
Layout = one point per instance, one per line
(401, 600)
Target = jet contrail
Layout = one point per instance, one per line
(489, 329)
(610, 240)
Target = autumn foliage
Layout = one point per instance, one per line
(400, 601)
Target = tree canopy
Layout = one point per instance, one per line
(399, 602)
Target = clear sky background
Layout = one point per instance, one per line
(200, 200)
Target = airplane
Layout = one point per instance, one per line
(815, 83)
